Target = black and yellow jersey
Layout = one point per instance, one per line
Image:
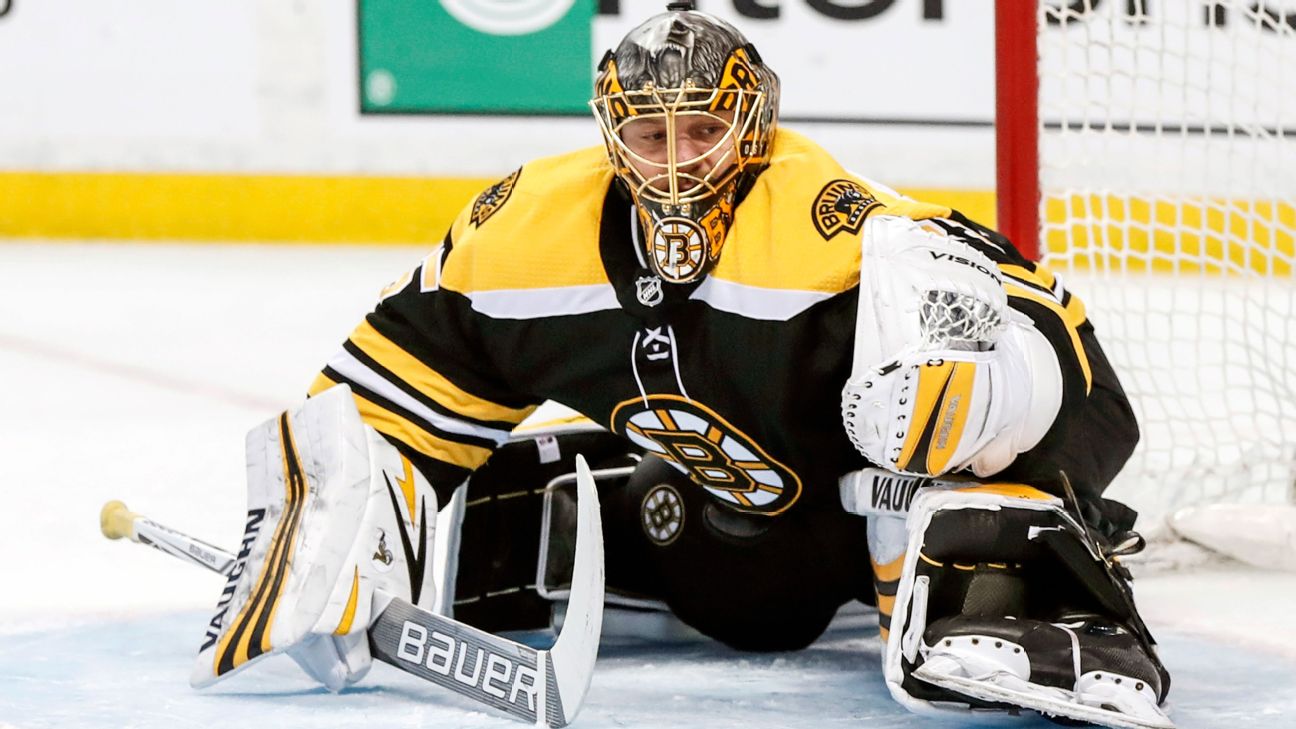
(538, 292)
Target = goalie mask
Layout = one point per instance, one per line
(687, 110)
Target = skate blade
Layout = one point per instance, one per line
(1009, 689)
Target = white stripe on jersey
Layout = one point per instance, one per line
(345, 364)
(1059, 290)
(541, 303)
(756, 302)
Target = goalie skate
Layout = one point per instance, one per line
(1058, 669)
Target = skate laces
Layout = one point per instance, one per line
(1128, 542)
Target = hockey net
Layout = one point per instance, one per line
(1166, 198)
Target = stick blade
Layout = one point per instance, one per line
(486, 668)
(573, 655)
(545, 688)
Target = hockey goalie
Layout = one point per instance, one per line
(800, 389)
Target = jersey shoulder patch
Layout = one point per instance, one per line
(536, 228)
(492, 199)
(797, 230)
(841, 206)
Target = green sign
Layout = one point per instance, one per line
(475, 56)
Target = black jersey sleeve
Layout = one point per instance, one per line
(1095, 431)
(422, 378)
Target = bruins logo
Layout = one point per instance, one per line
(842, 205)
(716, 455)
(662, 514)
(493, 199)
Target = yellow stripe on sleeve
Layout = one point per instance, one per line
(321, 383)
(1021, 273)
(1068, 318)
(1076, 308)
(1041, 276)
(388, 423)
(1045, 275)
(916, 210)
(430, 382)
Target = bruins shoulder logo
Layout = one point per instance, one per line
(715, 455)
(842, 205)
(493, 198)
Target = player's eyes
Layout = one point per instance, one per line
(650, 136)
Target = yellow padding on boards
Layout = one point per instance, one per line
(271, 208)
(218, 207)
(1214, 234)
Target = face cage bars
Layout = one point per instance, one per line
(738, 129)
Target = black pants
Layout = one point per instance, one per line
(755, 583)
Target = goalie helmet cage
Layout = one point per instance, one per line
(1146, 152)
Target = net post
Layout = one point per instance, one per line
(1017, 124)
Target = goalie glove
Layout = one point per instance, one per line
(335, 514)
(946, 376)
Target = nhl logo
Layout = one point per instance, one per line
(648, 289)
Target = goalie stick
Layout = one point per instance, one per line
(544, 687)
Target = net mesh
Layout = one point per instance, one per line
(1168, 186)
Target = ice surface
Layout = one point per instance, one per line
(133, 372)
(132, 673)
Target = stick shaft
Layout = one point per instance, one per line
(183, 546)
(117, 521)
